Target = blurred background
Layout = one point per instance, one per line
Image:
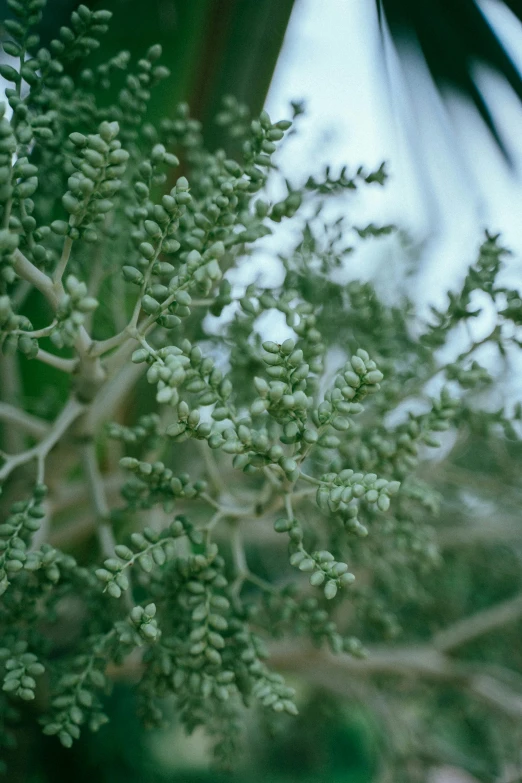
(432, 87)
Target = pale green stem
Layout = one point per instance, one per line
(37, 333)
(64, 260)
(65, 365)
(28, 271)
(310, 479)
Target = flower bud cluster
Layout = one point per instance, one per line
(146, 431)
(287, 207)
(77, 702)
(50, 565)
(21, 669)
(234, 116)
(288, 612)
(99, 165)
(173, 368)
(8, 244)
(79, 40)
(24, 182)
(468, 377)
(338, 490)
(11, 322)
(155, 224)
(284, 397)
(324, 569)
(27, 13)
(481, 276)
(203, 598)
(268, 687)
(16, 532)
(259, 148)
(134, 97)
(300, 317)
(148, 549)
(358, 378)
(154, 483)
(73, 307)
(181, 130)
(396, 450)
(101, 76)
(330, 184)
(196, 662)
(142, 627)
(208, 602)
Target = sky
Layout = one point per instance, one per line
(448, 182)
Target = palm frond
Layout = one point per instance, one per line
(453, 35)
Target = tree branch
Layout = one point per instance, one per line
(335, 672)
(481, 623)
(486, 533)
(70, 412)
(112, 395)
(31, 424)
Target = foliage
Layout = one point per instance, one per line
(250, 508)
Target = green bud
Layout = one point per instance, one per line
(152, 229)
(375, 376)
(330, 590)
(358, 365)
(146, 249)
(341, 424)
(132, 275)
(114, 590)
(150, 306)
(282, 525)
(383, 503)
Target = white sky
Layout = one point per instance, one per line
(448, 181)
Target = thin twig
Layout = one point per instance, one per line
(37, 333)
(65, 365)
(64, 259)
(101, 347)
(310, 479)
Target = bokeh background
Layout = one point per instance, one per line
(431, 86)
